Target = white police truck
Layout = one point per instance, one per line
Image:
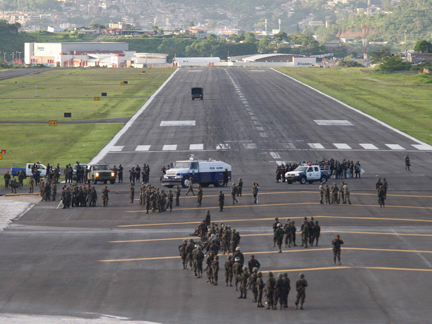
(203, 172)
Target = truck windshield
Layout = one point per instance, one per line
(197, 91)
(100, 167)
(301, 168)
(181, 165)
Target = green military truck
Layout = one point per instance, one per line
(100, 172)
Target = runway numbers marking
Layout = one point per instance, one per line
(395, 146)
(223, 146)
(166, 123)
(333, 123)
(141, 148)
(316, 145)
(367, 146)
(169, 148)
(116, 148)
(250, 146)
(196, 147)
(275, 155)
(342, 146)
(422, 147)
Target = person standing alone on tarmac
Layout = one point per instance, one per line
(190, 188)
(337, 242)
(407, 163)
(221, 201)
(7, 178)
(301, 285)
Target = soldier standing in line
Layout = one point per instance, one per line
(279, 234)
(170, 200)
(221, 201)
(337, 242)
(63, 198)
(189, 251)
(407, 163)
(335, 191)
(105, 196)
(346, 192)
(301, 285)
(199, 261)
(148, 197)
(381, 196)
(275, 227)
(341, 198)
(279, 291)
(260, 289)
(385, 186)
(287, 289)
(7, 179)
(321, 192)
(252, 283)
(378, 184)
(253, 263)
(270, 286)
(255, 192)
(243, 283)
(178, 196)
(132, 192)
(190, 188)
(47, 192)
(199, 195)
(240, 188)
(293, 233)
(237, 271)
(183, 253)
(327, 194)
(287, 231)
(228, 271)
(142, 192)
(209, 267)
(316, 233)
(93, 197)
(305, 234)
(31, 185)
(234, 193)
(53, 191)
(120, 174)
(215, 270)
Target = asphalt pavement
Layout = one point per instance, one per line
(85, 262)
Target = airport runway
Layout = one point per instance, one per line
(120, 261)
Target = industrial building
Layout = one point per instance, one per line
(88, 54)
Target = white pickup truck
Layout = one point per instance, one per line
(42, 169)
(309, 173)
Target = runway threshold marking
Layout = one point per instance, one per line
(271, 234)
(273, 252)
(290, 217)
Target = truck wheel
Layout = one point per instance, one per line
(303, 180)
(185, 182)
(323, 179)
(193, 98)
(219, 183)
(202, 98)
(290, 182)
(105, 181)
(112, 181)
(310, 181)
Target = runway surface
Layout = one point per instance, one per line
(85, 262)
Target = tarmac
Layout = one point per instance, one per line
(87, 263)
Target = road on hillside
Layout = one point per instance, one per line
(120, 261)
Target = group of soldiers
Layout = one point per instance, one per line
(338, 169)
(135, 173)
(215, 239)
(81, 196)
(155, 199)
(334, 195)
(310, 233)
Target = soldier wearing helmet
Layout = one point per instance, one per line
(237, 271)
(252, 283)
(287, 289)
(240, 255)
(229, 271)
(270, 287)
(279, 291)
(260, 288)
(244, 282)
(301, 285)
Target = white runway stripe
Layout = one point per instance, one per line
(165, 123)
(333, 123)
(275, 155)
(196, 147)
(116, 148)
(263, 134)
(223, 146)
(422, 147)
(316, 145)
(141, 148)
(368, 146)
(169, 148)
(342, 146)
(250, 146)
(395, 146)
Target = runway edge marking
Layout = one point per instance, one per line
(114, 140)
(355, 109)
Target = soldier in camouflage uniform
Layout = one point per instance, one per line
(105, 196)
(301, 285)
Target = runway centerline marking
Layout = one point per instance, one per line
(273, 252)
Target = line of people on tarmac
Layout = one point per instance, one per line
(338, 169)
(216, 239)
(334, 195)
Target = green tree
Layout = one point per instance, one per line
(379, 55)
(423, 46)
(393, 63)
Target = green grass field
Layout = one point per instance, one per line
(402, 101)
(69, 90)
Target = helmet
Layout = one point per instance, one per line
(278, 225)
(229, 257)
(237, 248)
(255, 269)
(301, 275)
(244, 268)
(217, 258)
(280, 275)
(285, 274)
(270, 274)
(184, 241)
(260, 274)
(237, 259)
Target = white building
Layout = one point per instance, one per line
(195, 61)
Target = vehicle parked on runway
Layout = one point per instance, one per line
(28, 169)
(100, 172)
(203, 172)
(309, 173)
(197, 93)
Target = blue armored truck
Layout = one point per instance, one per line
(203, 172)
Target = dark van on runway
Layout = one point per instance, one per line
(197, 93)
